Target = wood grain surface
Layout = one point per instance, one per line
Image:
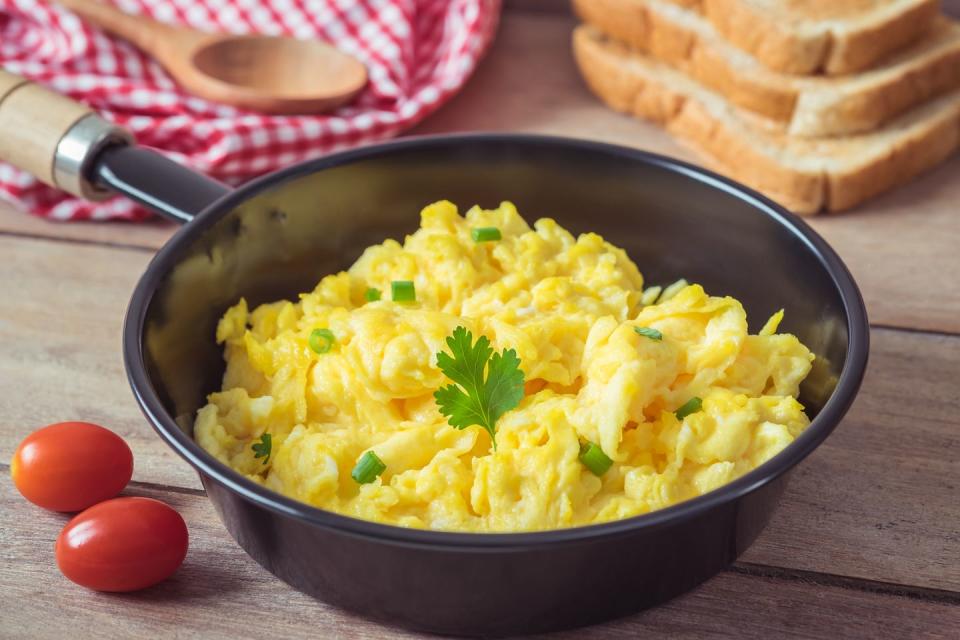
(877, 501)
(898, 246)
(60, 329)
(866, 542)
(220, 592)
(150, 235)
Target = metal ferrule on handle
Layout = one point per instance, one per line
(52, 137)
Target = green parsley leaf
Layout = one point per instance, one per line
(647, 332)
(478, 400)
(262, 449)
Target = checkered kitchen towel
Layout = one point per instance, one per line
(417, 52)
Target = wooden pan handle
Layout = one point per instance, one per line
(52, 137)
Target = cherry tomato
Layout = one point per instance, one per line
(70, 466)
(122, 544)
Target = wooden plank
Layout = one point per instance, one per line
(148, 235)
(60, 326)
(899, 247)
(878, 500)
(220, 592)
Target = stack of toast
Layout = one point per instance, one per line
(819, 104)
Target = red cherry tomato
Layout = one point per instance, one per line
(122, 544)
(70, 466)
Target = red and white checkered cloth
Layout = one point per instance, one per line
(417, 52)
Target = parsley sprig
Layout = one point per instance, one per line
(262, 449)
(478, 400)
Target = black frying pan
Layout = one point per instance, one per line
(278, 235)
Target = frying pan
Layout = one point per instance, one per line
(278, 235)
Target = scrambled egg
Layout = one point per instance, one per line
(569, 307)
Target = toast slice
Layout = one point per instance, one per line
(818, 36)
(805, 175)
(809, 106)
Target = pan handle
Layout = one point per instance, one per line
(156, 182)
(68, 146)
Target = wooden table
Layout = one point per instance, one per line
(866, 542)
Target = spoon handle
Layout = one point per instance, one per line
(147, 34)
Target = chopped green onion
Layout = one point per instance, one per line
(485, 234)
(647, 332)
(692, 405)
(594, 459)
(262, 449)
(372, 294)
(650, 295)
(403, 291)
(673, 290)
(369, 466)
(321, 340)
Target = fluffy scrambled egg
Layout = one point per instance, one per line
(569, 307)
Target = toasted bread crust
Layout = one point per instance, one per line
(733, 154)
(860, 49)
(632, 22)
(904, 160)
(748, 154)
(825, 113)
(778, 46)
(824, 107)
(803, 49)
(632, 93)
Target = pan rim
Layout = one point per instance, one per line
(820, 427)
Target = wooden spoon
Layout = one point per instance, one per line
(270, 74)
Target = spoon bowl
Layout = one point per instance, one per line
(273, 74)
